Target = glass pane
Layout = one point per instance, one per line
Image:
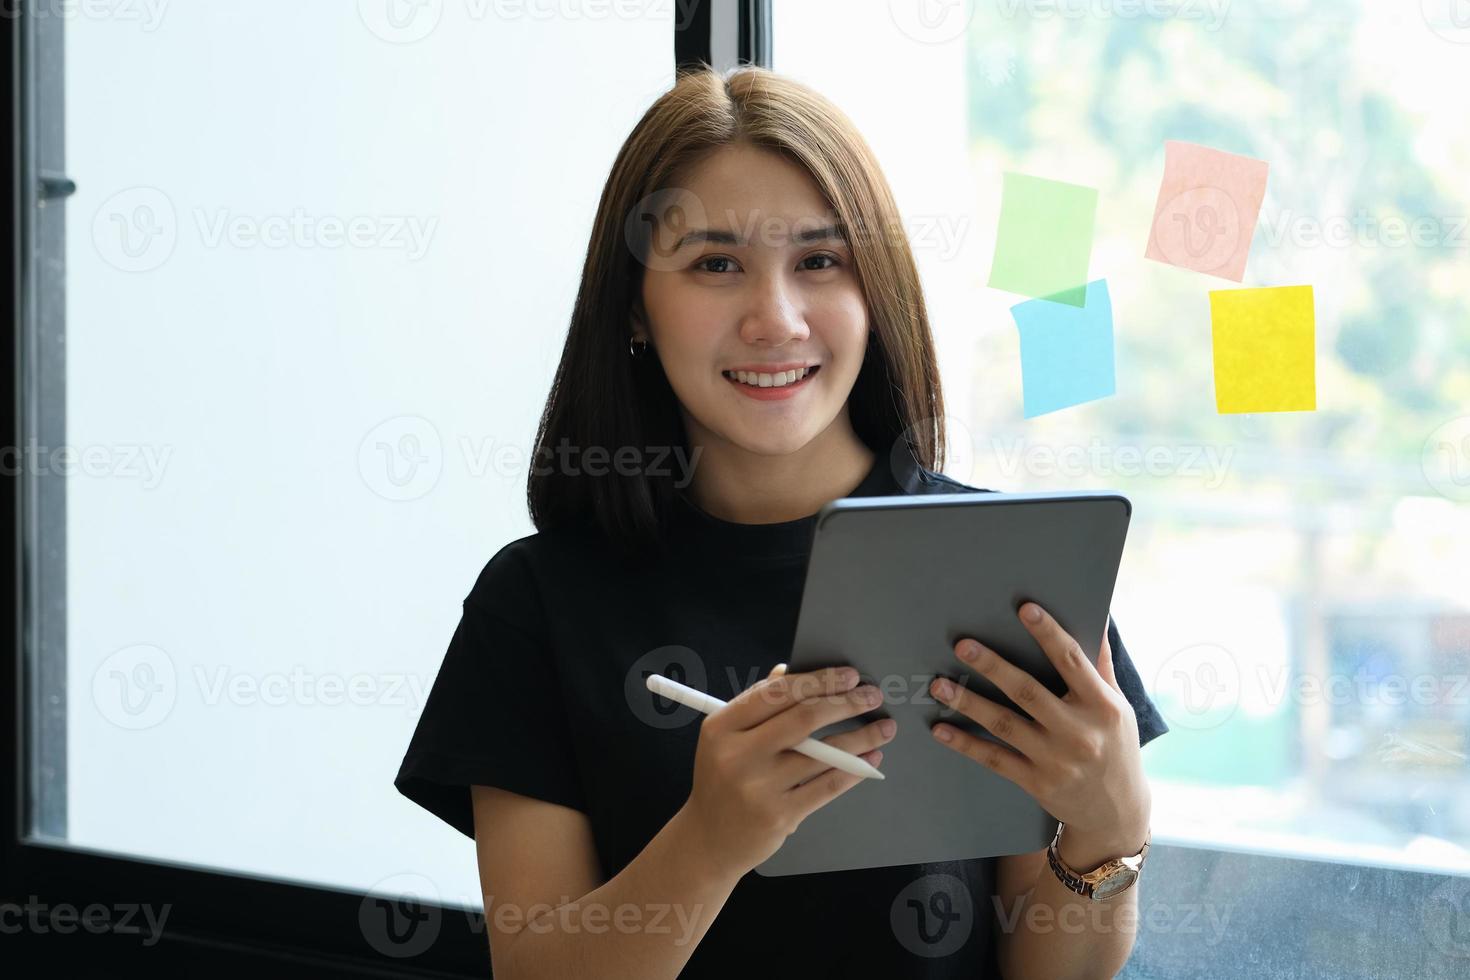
(320, 261)
(1294, 589)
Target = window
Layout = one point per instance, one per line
(1293, 591)
(307, 299)
(279, 263)
(293, 284)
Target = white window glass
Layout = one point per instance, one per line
(320, 263)
(1294, 590)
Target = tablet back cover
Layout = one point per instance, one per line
(892, 584)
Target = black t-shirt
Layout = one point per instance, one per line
(541, 692)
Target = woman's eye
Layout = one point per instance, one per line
(824, 255)
(703, 264)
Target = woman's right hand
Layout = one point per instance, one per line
(751, 789)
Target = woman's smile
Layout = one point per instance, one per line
(771, 387)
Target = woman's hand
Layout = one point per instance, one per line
(1078, 755)
(751, 788)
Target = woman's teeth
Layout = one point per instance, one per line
(769, 380)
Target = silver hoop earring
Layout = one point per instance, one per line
(641, 350)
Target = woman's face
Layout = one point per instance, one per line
(758, 294)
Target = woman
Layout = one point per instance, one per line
(749, 342)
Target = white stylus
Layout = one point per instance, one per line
(821, 751)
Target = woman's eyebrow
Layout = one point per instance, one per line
(821, 234)
(719, 236)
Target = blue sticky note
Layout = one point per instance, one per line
(1066, 351)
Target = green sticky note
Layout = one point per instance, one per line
(1265, 346)
(1044, 241)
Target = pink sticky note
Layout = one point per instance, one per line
(1207, 209)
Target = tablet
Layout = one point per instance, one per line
(891, 585)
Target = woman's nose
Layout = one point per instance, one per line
(772, 318)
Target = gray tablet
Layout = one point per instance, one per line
(892, 584)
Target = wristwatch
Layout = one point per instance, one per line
(1105, 881)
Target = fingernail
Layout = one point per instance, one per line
(942, 734)
(887, 727)
(1032, 612)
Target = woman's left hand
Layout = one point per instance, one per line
(1078, 755)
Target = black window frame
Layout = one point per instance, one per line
(235, 922)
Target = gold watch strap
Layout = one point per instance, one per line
(1106, 880)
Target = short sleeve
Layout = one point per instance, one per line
(493, 718)
(1150, 723)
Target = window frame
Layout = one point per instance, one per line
(235, 920)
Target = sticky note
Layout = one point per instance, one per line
(1066, 351)
(1265, 346)
(1207, 208)
(1044, 241)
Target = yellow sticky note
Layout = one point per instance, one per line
(1265, 345)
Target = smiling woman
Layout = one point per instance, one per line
(733, 306)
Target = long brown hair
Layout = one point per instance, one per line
(602, 397)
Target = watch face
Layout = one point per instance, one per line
(1114, 884)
